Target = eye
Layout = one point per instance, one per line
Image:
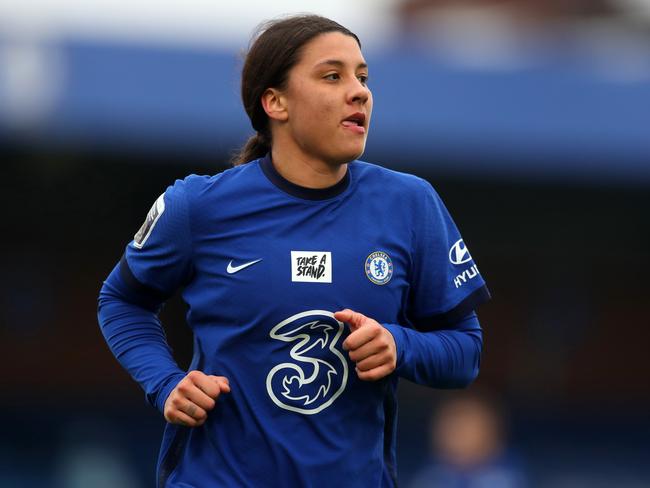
(363, 79)
(332, 77)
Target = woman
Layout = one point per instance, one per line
(313, 282)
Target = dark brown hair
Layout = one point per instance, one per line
(274, 50)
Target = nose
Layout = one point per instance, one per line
(359, 93)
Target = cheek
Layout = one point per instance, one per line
(315, 114)
(322, 109)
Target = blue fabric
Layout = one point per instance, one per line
(239, 245)
(506, 470)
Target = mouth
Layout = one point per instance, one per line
(355, 122)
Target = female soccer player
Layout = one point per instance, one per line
(313, 280)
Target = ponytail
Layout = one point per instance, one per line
(256, 147)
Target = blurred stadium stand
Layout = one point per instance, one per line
(534, 129)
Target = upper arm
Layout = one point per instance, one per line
(446, 284)
(159, 258)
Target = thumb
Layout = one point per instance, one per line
(355, 319)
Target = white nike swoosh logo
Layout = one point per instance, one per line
(234, 269)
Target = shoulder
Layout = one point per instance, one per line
(197, 187)
(406, 185)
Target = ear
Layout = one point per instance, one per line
(274, 104)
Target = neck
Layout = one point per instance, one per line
(306, 171)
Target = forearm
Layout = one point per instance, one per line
(136, 338)
(440, 358)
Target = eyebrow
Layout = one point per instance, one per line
(338, 64)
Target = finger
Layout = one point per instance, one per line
(374, 361)
(366, 350)
(197, 396)
(374, 374)
(193, 387)
(194, 411)
(179, 403)
(360, 337)
(204, 383)
(354, 319)
(181, 418)
(223, 382)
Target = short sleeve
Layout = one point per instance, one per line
(446, 283)
(158, 259)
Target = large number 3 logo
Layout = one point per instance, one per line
(318, 373)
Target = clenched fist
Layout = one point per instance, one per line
(370, 345)
(195, 395)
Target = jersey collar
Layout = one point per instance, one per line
(300, 191)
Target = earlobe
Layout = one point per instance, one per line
(274, 105)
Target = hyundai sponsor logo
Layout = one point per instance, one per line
(459, 254)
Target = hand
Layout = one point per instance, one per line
(195, 395)
(370, 345)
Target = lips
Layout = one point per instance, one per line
(356, 118)
(355, 122)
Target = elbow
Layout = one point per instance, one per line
(468, 371)
(472, 360)
(462, 379)
(467, 378)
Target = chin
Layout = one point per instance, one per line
(338, 160)
(351, 155)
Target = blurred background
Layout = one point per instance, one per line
(530, 117)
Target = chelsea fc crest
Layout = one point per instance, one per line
(379, 268)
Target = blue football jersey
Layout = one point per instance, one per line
(263, 264)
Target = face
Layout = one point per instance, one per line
(328, 103)
(467, 433)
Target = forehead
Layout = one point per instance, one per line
(331, 46)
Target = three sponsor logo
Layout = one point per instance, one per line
(316, 371)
